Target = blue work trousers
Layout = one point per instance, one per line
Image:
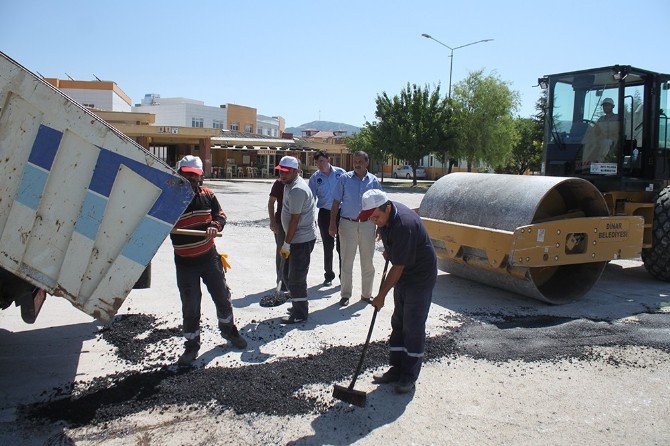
(296, 276)
(328, 244)
(408, 324)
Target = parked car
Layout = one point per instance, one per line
(406, 172)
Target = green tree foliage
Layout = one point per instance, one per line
(484, 122)
(527, 152)
(413, 124)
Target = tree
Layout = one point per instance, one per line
(485, 130)
(413, 124)
(527, 152)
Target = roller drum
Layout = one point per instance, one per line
(506, 202)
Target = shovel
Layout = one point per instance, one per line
(278, 298)
(348, 394)
(193, 232)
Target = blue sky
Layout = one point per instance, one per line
(309, 60)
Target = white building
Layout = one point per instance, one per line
(183, 112)
(268, 126)
(99, 95)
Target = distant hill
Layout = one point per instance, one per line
(323, 125)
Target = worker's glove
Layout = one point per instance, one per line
(285, 250)
(224, 262)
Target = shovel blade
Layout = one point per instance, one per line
(351, 396)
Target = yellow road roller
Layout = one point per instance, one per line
(604, 193)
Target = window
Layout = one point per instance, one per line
(234, 126)
(248, 128)
(663, 127)
(217, 124)
(260, 130)
(197, 122)
(159, 152)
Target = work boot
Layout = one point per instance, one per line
(390, 376)
(231, 334)
(344, 301)
(189, 355)
(404, 387)
(292, 318)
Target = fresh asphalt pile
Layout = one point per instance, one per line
(125, 334)
(274, 387)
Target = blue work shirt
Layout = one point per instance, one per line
(407, 243)
(322, 186)
(349, 192)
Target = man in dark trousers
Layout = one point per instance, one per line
(196, 257)
(297, 218)
(412, 277)
(275, 199)
(322, 184)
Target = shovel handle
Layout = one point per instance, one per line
(367, 340)
(192, 232)
(282, 262)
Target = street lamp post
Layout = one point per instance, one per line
(451, 55)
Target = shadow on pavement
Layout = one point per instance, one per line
(48, 356)
(345, 424)
(619, 293)
(314, 292)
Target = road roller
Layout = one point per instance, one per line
(603, 193)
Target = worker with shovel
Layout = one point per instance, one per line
(195, 257)
(413, 275)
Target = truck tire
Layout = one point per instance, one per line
(145, 279)
(657, 258)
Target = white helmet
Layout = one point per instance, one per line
(190, 163)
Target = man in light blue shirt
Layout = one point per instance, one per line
(353, 232)
(322, 184)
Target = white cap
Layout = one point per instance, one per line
(608, 101)
(373, 198)
(286, 163)
(190, 163)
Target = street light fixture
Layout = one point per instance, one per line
(451, 55)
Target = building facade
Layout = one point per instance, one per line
(184, 112)
(99, 95)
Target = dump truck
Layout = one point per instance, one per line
(83, 208)
(603, 194)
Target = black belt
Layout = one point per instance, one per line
(356, 220)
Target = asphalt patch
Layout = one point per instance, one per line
(551, 339)
(134, 335)
(275, 387)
